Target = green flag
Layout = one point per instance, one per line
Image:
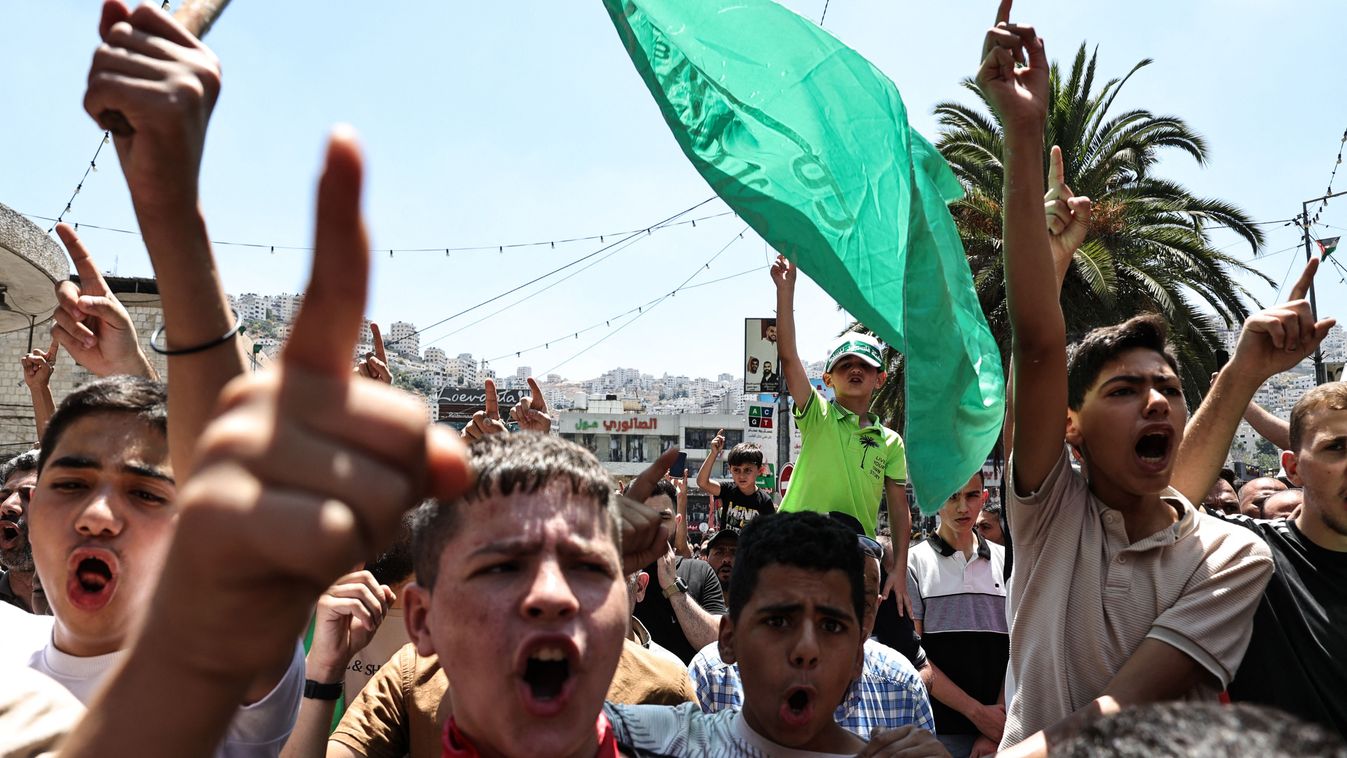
(809, 143)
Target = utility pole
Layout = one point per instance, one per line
(1319, 377)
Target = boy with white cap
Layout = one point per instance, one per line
(848, 459)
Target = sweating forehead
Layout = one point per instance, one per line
(551, 514)
(1138, 361)
(113, 438)
(1324, 422)
(780, 585)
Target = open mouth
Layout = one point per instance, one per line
(1153, 449)
(92, 580)
(547, 678)
(798, 707)
(9, 535)
(546, 673)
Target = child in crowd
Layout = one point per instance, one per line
(849, 461)
(740, 498)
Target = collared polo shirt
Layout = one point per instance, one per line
(961, 602)
(1083, 597)
(842, 465)
(889, 693)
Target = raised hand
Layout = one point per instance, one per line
(91, 323)
(375, 364)
(645, 536)
(1068, 215)
(38, 365)
(165, 82)
(718, 443)
(783, 272)
(305, 472)
(531, 413)
(345, 620)
(1276, 339)
(486, 421)
(1014, 72)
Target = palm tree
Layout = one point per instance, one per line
(1149, 246)
(868, 442)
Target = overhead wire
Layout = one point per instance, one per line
(630, 242)
(536, 279)
(642, 310)
(446, 249)
(93, 166)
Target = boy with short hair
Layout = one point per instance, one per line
(849, 461)
(795, 629)
(740, 498)
(1122, 592)
(956, 581)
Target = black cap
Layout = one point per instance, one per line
(724, 535)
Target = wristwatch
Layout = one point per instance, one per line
(678, 586)
(319, 691)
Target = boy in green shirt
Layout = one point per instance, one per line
(848, 459)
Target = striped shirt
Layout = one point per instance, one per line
(961, 604)
(888, 695)
(1083, 598)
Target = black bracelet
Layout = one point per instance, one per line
(227, 336)
(322, 691)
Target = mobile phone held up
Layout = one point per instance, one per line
(680, 465)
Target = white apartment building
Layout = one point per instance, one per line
(403, 339)
(436, 357)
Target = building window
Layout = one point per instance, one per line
(636, 449)
(667, 441)
(590, 443)
(700, 439)
(615, 449)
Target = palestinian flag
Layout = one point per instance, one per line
(1327, 246)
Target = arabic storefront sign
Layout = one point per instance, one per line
(633, 425)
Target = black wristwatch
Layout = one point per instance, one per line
(678, 586)
(318, 691)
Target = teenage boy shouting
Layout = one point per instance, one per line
(1121, 592)
(740, 499)
(848, 459)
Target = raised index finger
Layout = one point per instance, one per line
(1055, 170)
(1302, 287)
(91, 280)
(52, 350)
(328, 324)
(492, 404)
(378, 343)
(1003, 12)
(536, 399)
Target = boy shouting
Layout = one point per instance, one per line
(849, 460)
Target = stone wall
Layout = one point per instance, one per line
(17, 432)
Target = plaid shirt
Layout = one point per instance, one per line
(888, 695)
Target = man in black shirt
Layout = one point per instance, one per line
(683, 612)
(740, 499)
(1297, 659)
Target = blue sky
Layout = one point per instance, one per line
(497, 123)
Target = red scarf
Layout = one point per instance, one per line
(456, 744)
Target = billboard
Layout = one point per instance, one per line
(761, 368)
(457, 404)
(760, 428)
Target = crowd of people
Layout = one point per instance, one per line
(293, 563)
